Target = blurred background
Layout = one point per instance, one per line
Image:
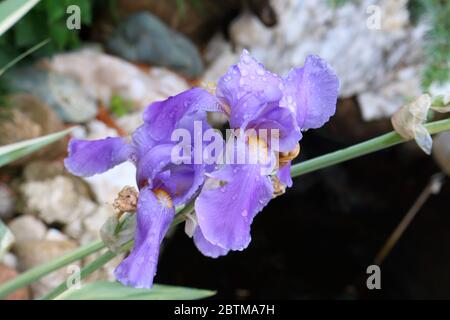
(99, 63)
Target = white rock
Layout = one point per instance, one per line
(369, 61)
(10, 260)
(103, 76)
(27, 228)
(56, 200)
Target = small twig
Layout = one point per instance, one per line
(433, 187)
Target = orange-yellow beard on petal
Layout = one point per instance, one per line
(163, 198)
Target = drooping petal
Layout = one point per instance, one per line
(87, 158)
(311, 92)
(164, 116)
(226, 213)
(153, 220)
(206, 247)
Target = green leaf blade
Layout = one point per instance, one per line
(12, 152)
(105, 290)
(12, 10)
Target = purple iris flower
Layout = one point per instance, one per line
(162, 184)
(254, 98)
(231, 194)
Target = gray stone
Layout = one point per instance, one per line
(61, 92)
(143, 38)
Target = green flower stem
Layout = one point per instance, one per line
(382, 142)
(183, 213)
(38, 272)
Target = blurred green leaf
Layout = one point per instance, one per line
(23, 55)
(18, 150)
(46, 20)
(55, 11)
(6, 239)
(12, 10)
(104, 290)
(120, 106)
(26, 33)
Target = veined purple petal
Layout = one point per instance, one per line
(87, 158)
(157, 170)
(164, 116)
(311, 92)
(142, 141)
(153, 221)
(187, 180)
(225, 213)
(246, 88)
(206, 247)
(282, 120)
(153, 162)
(284, 175)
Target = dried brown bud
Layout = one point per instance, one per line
(126, 200)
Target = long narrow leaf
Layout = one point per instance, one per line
(105, 290)
(18, 150)
(23, 55)
(12, 10)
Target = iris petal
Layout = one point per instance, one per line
(165, 116)
(206, 247)
(311, 93)
(246, 89)
(87, 158)
(282, 120)
(226, 213)
(153, 221)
